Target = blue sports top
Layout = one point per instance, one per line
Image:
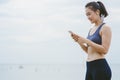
(95, 37)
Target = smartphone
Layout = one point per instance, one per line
(70, 32)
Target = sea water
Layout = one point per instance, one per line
(49, 71)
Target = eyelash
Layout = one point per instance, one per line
(88, 14)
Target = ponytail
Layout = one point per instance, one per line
(102, 9)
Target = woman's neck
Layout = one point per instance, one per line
(98, 22)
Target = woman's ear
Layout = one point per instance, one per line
(98, 12)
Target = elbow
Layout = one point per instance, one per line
(105, 51)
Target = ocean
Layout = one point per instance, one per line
(49, 71)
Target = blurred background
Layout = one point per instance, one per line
(35, 43)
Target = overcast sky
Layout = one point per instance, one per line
(36, 31)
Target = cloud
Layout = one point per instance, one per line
(35, 20)
(37, 28)
(4, 1)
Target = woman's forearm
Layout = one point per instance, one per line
(81, 40)
(84, 47)
(97, 47)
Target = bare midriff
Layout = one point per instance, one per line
(94, 55)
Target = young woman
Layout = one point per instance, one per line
(97, 43)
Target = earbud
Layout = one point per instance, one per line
(97, 13)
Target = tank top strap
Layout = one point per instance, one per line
(97, 29)
(100, 27)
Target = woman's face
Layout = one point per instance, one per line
(92, 15)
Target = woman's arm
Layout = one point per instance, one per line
(106, 39)
(84, 47)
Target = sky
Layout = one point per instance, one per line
(36, 31)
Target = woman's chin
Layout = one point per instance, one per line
(92, 22)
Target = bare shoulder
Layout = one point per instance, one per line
(106, 28)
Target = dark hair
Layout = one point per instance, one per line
(97, 6)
